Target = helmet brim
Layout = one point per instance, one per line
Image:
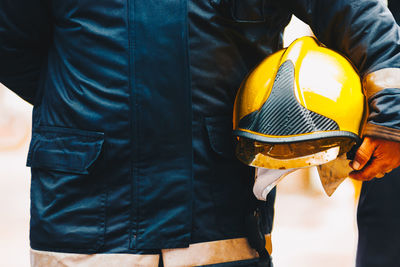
(292, 151)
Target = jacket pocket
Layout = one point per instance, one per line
(231, 179)
(219, 131)
(250, 11)
(67, 195)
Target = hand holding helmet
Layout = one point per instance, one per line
(374, 158)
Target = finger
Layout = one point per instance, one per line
(357, 175)
(363, 154)
(371, 170)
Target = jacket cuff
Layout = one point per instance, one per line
(382, 132)
(382, 89)
(381, 79)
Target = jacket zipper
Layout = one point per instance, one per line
(133, 116)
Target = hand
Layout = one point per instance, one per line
(374, 158)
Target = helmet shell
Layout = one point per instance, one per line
(307, 96)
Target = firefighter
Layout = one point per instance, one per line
(131, 154)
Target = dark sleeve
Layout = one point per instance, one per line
(24, 38)
(366, 32)
(394, 6)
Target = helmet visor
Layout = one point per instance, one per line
(291, 155)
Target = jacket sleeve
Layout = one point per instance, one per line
(366, 32)
(394, 7)
(24, 39)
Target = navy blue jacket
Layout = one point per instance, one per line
(394, 7)
(378, 213)
(131, 146)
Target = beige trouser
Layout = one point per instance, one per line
(196, 254)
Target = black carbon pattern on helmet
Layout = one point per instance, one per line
(282, 114)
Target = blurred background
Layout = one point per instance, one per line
(15, 126)
(310, 229)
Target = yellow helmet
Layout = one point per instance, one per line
(302, 106)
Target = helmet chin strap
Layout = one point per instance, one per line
(266, 180)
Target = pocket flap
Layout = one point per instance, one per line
(64, 149)
(220, 134)
(248, 10)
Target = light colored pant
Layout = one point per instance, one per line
(206, 253)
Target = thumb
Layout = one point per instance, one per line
(363, 154)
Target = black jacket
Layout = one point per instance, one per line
(131, 145)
